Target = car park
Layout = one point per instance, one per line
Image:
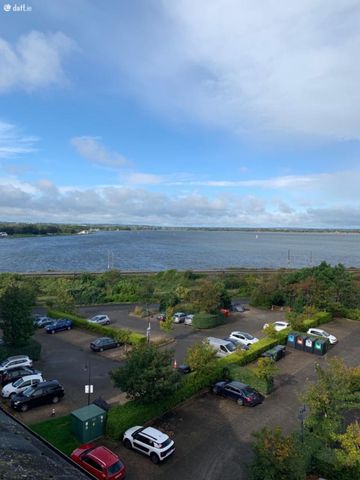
(318, 332)
(243, 338)
(13, 374)
(16, 361)
(189, 319)
(104, 343)
(59, 325)
(41, 394)
(279, 325)
(179, 317)
(14, 388)
(100, 319)
(150, 441)
(101, 462)
(42, 322)
(240, 392)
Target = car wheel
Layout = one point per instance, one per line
(101, 349)
(154, 458)
(118, 344)
(24, 408)
(127, 444)
(215, 390)
(12, 395)
(52, 332)
(240, 401)
(107, 323)
(55, 400)
(68, 328)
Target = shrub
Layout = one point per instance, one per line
(123, 336)
(32, 349)
(208, 320)
(352, 313)
(247, 375)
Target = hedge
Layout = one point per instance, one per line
(248, 376)
(122, 335)
(352, 313)
(32, 349)
(133, 412)
(208, 320)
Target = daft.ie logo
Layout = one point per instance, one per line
(16, 7)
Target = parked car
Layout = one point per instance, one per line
(184, 369)
(42, 322)
(179, 317)
(104, 343)
(238, 308)
(100, 320)
(150, 441)
(279, 325)
(11, 389)
(58, 325)
(241, 393)
(222, 347)
(13, 374)
(16, 361)
(243, 337)
(40, 394)
(101, 462)
(189, 319)
(318, 332)
(236, 344)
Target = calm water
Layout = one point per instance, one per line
(162, 250)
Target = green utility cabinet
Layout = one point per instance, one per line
(88, 423)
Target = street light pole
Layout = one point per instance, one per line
(89, 389)
(148, 333)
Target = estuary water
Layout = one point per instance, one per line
(154, 250)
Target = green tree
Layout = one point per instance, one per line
(266, 368)
(201, 357)
(211, 296)
(15, 310)
(64, 301)
(277, 457)
(168, 324)
(148, 375)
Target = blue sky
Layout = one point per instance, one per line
(188, 113)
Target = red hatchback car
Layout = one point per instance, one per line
(99, 461)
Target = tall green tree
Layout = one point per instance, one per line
(201, 357)
(15, 311)
(148, 375)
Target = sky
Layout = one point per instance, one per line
(228, 113)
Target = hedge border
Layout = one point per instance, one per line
(122, 335)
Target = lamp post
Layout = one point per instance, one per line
(148, 333)
(301, 417)
(89, 389)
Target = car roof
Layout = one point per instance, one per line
(17, 357)
(104, 456)
(237, 332)
(102, 338)
(237, 384)
(31, 376)
(155, 434)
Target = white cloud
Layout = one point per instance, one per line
(91, 149)
(34, 62)
(144, 179)
(276, 66)
(13, 142)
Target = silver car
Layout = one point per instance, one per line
(100, 320)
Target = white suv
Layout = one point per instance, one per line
(16, 361)
(100, 320)
(179, 317)
(243, 338)
(155, 444)
(318, 332)
(12, 389)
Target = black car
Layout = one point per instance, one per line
(104, 343)
(237, 344)
(13, 374)
(240, 392)
(42, 393)
(184, 369)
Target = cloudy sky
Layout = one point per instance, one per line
(188, 112)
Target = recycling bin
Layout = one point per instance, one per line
(275, 353)
(320, 346)
(291, 339)
(300, 342)
(309, 344)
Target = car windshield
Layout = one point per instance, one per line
(230, 346)
(164, 444)
(18, 382)
(248, 392)
(28, 392)
(326, 334)
(248, 336)
(114, 468)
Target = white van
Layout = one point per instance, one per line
(222, 347)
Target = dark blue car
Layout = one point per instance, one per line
(241, 393)
(58, 325)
